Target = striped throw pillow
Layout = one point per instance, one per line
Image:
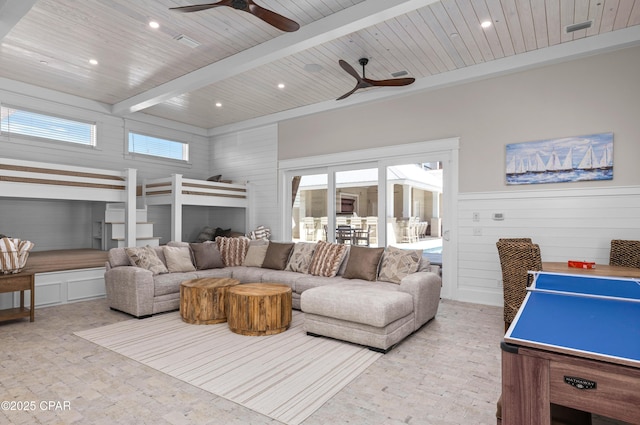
(327, 258)
(232, 250)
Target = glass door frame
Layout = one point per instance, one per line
(445, 151)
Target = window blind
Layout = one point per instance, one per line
(33, 124)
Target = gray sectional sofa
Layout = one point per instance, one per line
(352, 295)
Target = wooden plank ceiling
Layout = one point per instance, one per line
(241, 60)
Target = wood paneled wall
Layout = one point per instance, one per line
(251, 156)
(568, 224)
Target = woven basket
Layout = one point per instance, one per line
(13, 254)
(16, 264)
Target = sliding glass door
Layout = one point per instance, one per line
(309, 216)
(400, 196)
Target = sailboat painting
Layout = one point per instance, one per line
(569, 159)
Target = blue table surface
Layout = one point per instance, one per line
(608, 327)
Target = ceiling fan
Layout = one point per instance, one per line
(364, 82)
(270, 17)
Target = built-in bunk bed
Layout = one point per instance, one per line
(68, 274)
(178, 191)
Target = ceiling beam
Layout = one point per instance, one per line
(11, 11)
(347, 21)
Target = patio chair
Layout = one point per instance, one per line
(361, 236)
(625, 253)
(344, 234)
(372, 225)
(309, 225)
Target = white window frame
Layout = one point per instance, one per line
(133, 154)
(9, 135)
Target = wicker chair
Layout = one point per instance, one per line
(625, 253)
(517, 258)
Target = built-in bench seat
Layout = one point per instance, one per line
(65, 259)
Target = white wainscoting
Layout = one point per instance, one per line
(567, 224)
(64, 287)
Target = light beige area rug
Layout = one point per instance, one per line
(287, 376)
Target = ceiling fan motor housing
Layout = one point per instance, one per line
(239, 4)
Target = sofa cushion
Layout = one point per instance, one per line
(363, 263)
(277, 255)
(178, 259)
(283, 277)
(255, 255)
(169, 283)
(118, 257)
(301, 257)
(370, 303)
(217, 272)
(206, 255)
(398, 263)
(146, 258)
(309, 281)
(247, 274)
(233, 250)
(327, 258)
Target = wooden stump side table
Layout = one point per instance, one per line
(259, 308)
(203, 301)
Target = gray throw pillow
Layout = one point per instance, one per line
(363, 263)
(277, 255)
(206, 255)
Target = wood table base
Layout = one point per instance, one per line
(259, 309)
(203, 301)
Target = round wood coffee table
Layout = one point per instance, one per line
(203, 301)
(259, 308)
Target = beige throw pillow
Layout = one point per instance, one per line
(178, 259)
(146, 258)
(301, 257)
(398, 263)
(255, 255)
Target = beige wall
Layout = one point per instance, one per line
(590, 95)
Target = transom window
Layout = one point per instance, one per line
(155, 146)
(36, 125)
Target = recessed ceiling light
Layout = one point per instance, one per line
(93, 61)
(218, 105)
(485, 24)
(154, 24)
(281, 86)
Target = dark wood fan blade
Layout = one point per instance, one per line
(349, 69)
(199, 7)
(391, 82)
(348, 93)
(273, 18)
